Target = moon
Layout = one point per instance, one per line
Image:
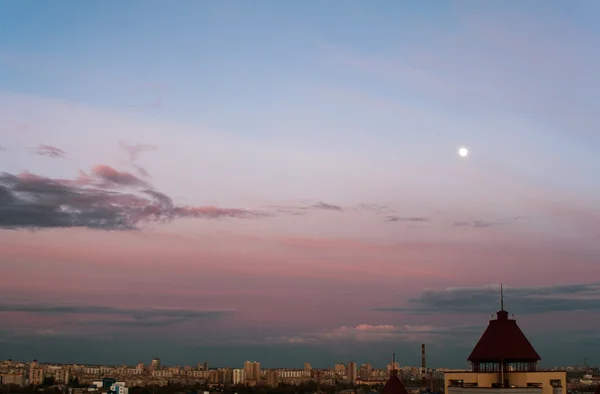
(463, 152)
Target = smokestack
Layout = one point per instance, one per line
(423, 369)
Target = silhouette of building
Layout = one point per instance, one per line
(505, 360)
(394, 385)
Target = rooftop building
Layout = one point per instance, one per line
(504, 360)
(394, 385)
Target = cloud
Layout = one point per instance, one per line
(525, 300)
(302, 209)
(374, 333)
(83, 315)
(133, 151)
(475, 223)
(407, 219)
(377, 208)
(487, 223)
(105, 199)
(215, 212)
(113, 176)
(49, 150)
(328, 207)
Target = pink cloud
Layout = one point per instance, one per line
(216, 212)
(365, 333)
(123, 178)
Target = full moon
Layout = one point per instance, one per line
(463, 152)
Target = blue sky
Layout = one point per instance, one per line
(269, 104)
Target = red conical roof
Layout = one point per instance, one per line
(394, 385)
(503, 340)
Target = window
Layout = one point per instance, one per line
(555, 383)
(456, 383)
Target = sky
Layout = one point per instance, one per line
(279, 181)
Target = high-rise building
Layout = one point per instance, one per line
(307, 367)
(272, 379)
(252, 369)
(256, 370)
(339, 369)
(225, 376)
(239, 376)
(155, 364)
(365, 372)
(352, 372)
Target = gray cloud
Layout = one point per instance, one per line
(379, 209)
(122, 317)
(133, 151)
(407, 219)
(301, 210)
(105, 199)
(49, 150)
(476, 224)
(526, 300)
(328, 207)
(487, 223)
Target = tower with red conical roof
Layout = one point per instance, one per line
(394, 385)
(503, 347)
(504, 359)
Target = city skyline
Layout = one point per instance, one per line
(282, 181)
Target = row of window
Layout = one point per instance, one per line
(461, 383)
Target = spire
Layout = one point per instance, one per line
(502, 314)
(393, 371)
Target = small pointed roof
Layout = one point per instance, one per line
(394, 385)
(503, 340)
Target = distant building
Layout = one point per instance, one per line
(272, 379)
(365, 372)
(252, 369)
(239, 376)
(352, 372)
(12, 378)
(504, 360)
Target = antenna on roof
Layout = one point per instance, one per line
(393, 361)
(501, 297)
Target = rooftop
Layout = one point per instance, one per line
(394, 385)
(504, 341)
